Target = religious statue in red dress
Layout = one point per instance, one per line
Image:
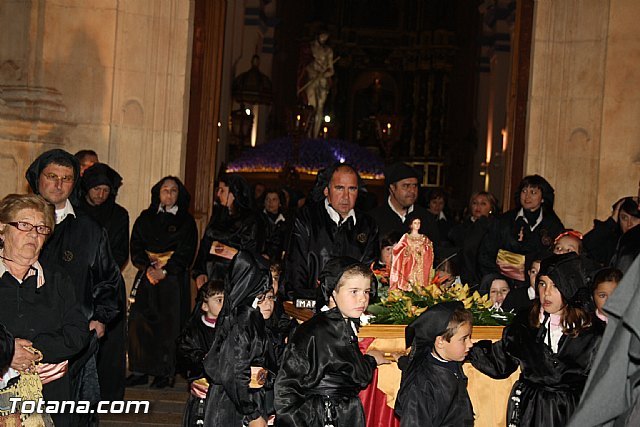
(412, 259)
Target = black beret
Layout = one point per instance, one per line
(433, 322)
(399, 171)
(567, 273)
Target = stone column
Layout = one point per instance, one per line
(583, 131)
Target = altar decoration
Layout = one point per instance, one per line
(314, 155)
(400, 307)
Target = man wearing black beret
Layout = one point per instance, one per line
(396, 214)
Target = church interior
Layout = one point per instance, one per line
(474, 94)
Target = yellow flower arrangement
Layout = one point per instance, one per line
(401, 307)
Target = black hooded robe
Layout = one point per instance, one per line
(241, 342)
(550, 384)
(322, 369)
(193, 344)
(432, 392)
(80, 246)
(115, 220)
(159, 312)
(434, 395)
(240, 230)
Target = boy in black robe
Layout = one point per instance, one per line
(323, 369)
(433, 391)
(193, 345)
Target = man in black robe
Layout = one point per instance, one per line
(233, 223)
(81, 247)
(328, 227)
(402, 182)
(100, 184)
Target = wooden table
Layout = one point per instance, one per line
(489, 396)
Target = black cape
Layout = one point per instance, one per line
(240, 231)
(466, 239)
(159, 312)
(315, 239)
(627, 249)
(271, 235)
(600, 242)
(240, 342)
(112, 354)
(193, 344)
(322, 366)
(435, 394)
(550, 383)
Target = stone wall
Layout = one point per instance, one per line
(583, 130)
(107, 75)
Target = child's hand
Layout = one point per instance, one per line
(379, 356)
(199, 390)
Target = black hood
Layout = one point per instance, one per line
(239, 187)
(183, 195)
(567, 273)
(331, 275)
(7, 348)
(247, 278)
(101, 174)
(422, 332)
(54, 156)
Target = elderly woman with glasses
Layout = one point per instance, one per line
(39, 307)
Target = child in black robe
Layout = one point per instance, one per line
(323, 369)
(266, 304)
(554, 347)
(193, 345)
(433, 390)
(239, 356)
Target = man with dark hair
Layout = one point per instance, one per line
(100, 184)
(402, 182)
(328, 226)
(81, 247)
(87, 158)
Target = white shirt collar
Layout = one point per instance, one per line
(36, 268)
(402, 217)
(335, 216)
(206, 322)
(556, 334)
(61, 214)
(531, 292)
(441, 216)
(172, 210)
(538, 221)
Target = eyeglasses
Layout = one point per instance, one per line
(67, 179)
(25, 226)
(264, 298)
